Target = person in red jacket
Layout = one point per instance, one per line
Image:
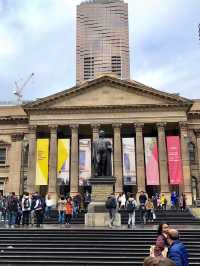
(69, 211)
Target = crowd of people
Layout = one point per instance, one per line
(146, 206)
(33, 209)
(30, 209)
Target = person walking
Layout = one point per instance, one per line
(26, 209)
(177, 251)
(131, 207)
(111, 206)
(182, 202)
(69, 211)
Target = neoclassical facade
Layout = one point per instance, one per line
(123, 109)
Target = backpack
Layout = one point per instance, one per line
(111, 203)
(26, 204)
(108, 203)
(130, 207)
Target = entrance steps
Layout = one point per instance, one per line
(84, 247)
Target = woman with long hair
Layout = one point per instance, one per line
(160, 248)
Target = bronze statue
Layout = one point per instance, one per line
(101, 156)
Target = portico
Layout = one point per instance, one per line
(124, 110)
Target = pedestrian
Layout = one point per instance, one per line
(26, 209)
(173, 200)
(33, 203)
(111, 206)
(19, 212)
(177, 251)
(39, 210)
(119, 200)
(158, 261)
(149, 210)
(161, 246)
(61, 209)
(49, 206)
(163, 201)
(142, 209)
(87, 200)
(123, 201)
(69, 211)
(131, 207)
(12, 209)
(182, 202)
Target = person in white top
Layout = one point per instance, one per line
(26, 209)
(123, 201)
(49, 205)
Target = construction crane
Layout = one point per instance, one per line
(19, 89)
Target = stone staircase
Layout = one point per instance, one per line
(170, 216)
(84, 247)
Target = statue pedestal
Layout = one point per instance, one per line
(97, 214)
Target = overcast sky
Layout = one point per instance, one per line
(39, 36)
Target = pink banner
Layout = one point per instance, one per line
(151, 161)
(174, 160)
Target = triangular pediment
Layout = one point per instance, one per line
(108, 91)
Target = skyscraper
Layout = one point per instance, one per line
(102, 39)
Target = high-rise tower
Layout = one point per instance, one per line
(102, 44)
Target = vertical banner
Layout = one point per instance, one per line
(129, 166)
(42, 162)
(174, 160)
(84, 160)
(151, 161)
(63, 160)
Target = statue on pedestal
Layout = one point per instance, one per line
(101, 156)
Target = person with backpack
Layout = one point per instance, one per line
(111, 206)
(26, 209)
(131, 207)
(39, 210)
(12, 209)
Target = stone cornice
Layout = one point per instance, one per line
(109, 108)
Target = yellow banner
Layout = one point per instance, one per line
(42, 162)
(63, 159)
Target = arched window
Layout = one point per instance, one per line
(191, 148)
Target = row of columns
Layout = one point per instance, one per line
(118, 170)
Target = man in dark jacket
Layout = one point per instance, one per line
(177, 251)
(111, 205)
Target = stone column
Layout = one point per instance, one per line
(16, 164)
(140, 165)
(118, 158)
(163, 162)
(197, 132)
(52, 188)
(186, 162)
(95, 131)
(74, 176)
(31, 160)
